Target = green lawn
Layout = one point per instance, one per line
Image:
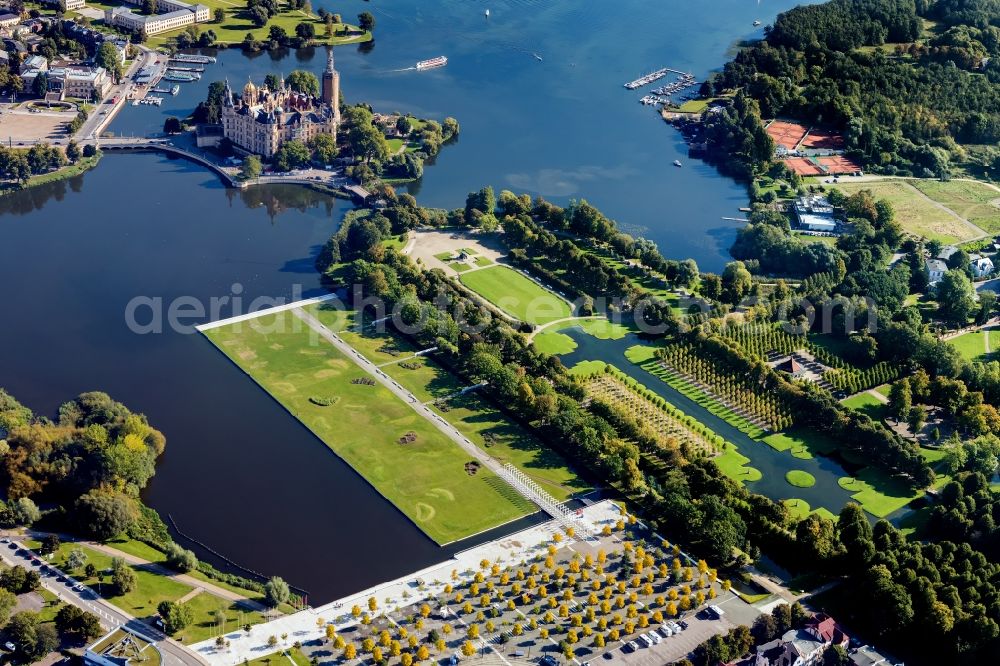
(868, 404)
(236, 25)
(799, 508)
(282, 658)
(972, 345)
(426, 478)
(877, 494)
(801, 442)
(215, 616)
(584, 368)
(800, 478)
(517, 295)
(553, 342)
(734, 465)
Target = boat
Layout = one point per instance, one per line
(756, 23)
(537, 57)
(184, 77)
(677, 163)
(487, 13)
(439, 61)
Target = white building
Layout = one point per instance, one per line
(67, 5)
(122, 647)
(9, 20)
(935, 270)
(814, 213)
(176, 14)
(981, 266)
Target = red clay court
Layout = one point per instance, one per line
(819, 139)
(786, 134)
(839, 164)
(804, 166)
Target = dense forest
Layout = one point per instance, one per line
(910, 83)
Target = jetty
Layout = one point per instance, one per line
(646, 79)
(186, 57)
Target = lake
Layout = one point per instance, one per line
(239, 473)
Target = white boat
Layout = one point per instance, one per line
(487, 13)
(677, 163)
(756, 23)
(439, 61)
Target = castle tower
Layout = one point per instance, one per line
(331, 86)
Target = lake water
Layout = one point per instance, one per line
(239, 473)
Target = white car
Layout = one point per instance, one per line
(10, 646)
(655, 637)
(666, 631)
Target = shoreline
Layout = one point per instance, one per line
(80, 167)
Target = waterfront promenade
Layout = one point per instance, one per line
(410, 589)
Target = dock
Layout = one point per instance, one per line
(646, 79)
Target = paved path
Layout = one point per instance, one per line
(407, 397)
(173, 653)
(531, 336)
(160, 569)
(878, 396)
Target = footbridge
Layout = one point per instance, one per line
(165, 146)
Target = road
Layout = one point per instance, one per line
(69, 591)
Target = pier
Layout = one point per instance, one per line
(646, 79)
(662, 94)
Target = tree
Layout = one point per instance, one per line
(956, 297)
(8, 601)
(175, 616)
(350, 652)
(73, 151)
(180, 558)
(324, 148)
(292, 155)
(900, 399)
(104, 516)
(276, 591)
(736, 282)
(149, 7)
(110, 59)
(305, 31)
(76, 559)
(40, 84)
(366, 21)
(33, 639)
(172, 125)
(303, 81)
(50, 544)
(219, 14)
(123, 579)
(251, 168)
(89, 150)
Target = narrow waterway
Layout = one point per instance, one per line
(772, 463)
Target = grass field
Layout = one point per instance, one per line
(972, 346)
(976, 202)
(800, 508)
(236, 25)
(734, 465)
(517, 295)
(554, 341)
(800, 479)
(917, 214)
(803, 444)
(868, 404)
(365, 428)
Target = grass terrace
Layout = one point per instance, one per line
(517, 295)
(379, 435)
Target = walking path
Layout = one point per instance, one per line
(310, 624)
(260, 313)
(878, 396)
(531, 336)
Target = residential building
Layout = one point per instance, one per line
(935, 270)
(261, 120)
(9, 20)
(814, 213)
(981, 266)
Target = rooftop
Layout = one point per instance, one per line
(127, 648)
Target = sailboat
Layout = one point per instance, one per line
(487, 13)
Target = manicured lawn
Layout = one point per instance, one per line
(972, 345)
(868, 404)
(483, 261)
(207, 625)
(878, 495)
(517, 295)
(584, 368)
(459, 266)
(554, 342)
(734, 465)
(916, 213)
(365, 428)
(640, 354)
(800, 479)
(508, 442)
(281, 659)
(803, 443)
(800, 508)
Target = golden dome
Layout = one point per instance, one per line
(249, 89)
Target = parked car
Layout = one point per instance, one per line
(666, 631)
(655, 637)
(10, 646)
(632, 645)
(548, 660)
(683, 624)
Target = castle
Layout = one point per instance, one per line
(262, 120)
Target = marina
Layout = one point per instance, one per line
(148, 101)
(662, 94)
(172, 90)
(646, 79)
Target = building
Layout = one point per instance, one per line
(824, 628)
(35, 62)
(123, 647)
(814, 213)
(172, 14)
(935, 270)
(67, 5)
(79, 81)
(981, 266)
(9, 20)
(262, 120)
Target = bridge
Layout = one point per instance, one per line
(165, 146)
